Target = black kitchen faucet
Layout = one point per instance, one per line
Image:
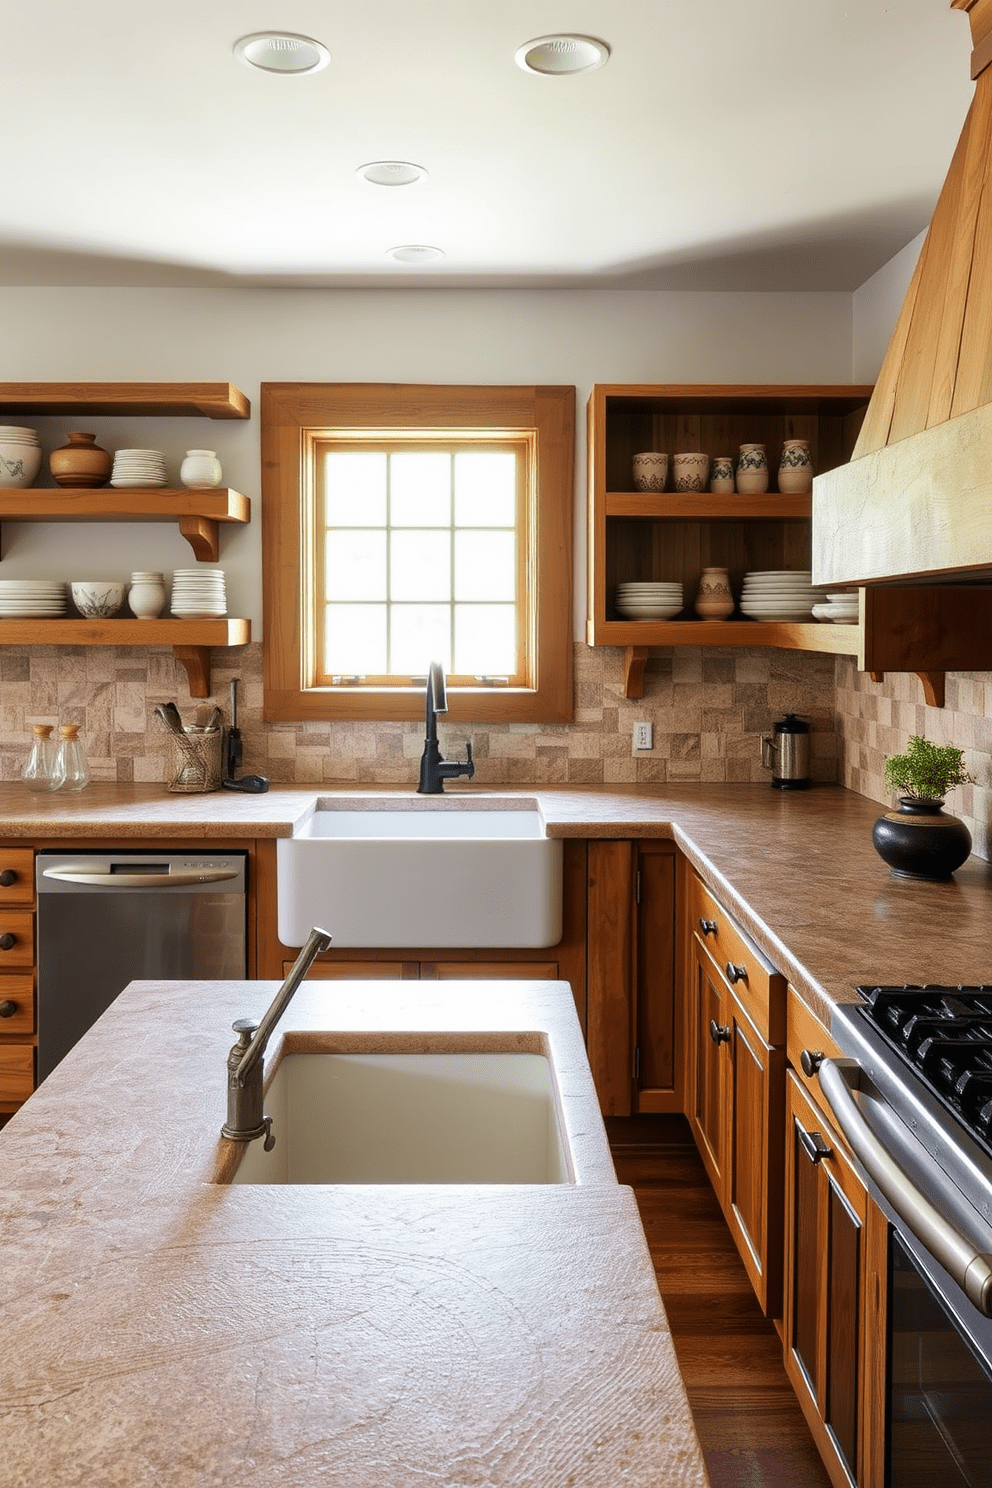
(434, 769)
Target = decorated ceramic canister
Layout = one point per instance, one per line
(795, 469)
(650, 471)
(722, 475)
(752, 470)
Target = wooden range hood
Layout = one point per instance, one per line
(915, 500)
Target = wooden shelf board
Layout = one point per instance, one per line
(678, 506)
(108, 504)
(215, 400)
(839, 640)
(125, 632)
(773, 398)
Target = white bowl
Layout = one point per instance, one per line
(651, 612)
(97, 599)
(19, 464)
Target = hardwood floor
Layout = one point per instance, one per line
(750, 1426)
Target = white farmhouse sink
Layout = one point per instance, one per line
(422, 872)
(410, 1118)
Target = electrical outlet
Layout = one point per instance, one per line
(643, 736)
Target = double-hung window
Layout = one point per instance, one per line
(409, 524)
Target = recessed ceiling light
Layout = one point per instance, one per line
(558, 56)
(415, 253)
(281, 51)
(391, 173)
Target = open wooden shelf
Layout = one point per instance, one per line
(677, 506)
(190, 640)
(196, 513)
(214, 400)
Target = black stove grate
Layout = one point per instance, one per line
(945, 1035)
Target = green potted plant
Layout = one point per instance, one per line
(918, 840)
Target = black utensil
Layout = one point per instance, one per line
(254, 785)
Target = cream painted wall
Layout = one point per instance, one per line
(248, 336)
(875, 310)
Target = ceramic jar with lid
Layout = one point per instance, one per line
(201, 470)
(714, 600)
(752, 470)
(795, 470)
(81, 463)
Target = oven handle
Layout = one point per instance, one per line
(970, 1268)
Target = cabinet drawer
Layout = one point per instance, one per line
(16, 1005)
(16, 938)
(16, 1072)
(17, 875)
(759, 988)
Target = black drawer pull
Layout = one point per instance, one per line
(708, 927)
(810, 1062)
(7, 941)
(736, 973)
(7, 877)
(717, 1034)
(7, 1009)
(813, 1145)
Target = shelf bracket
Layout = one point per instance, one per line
(634, 661)
(196, 662)
(933, 687)
(203, 536)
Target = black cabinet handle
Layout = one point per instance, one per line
(7, 877)
(708, 927)
(736, 973)
(813, 1145)
(7, 941)
(810, 1062)
(717, 1034)
(7, 1009)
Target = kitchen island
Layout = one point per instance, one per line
(163, 1327)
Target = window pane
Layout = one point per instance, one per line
(420, 489)
(485, 488)
(485, 640)
(420, 634)
(420, 565)
(355, 639)
(355, 488)
(355, 564)
(485, 565)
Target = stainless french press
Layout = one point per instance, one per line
(786, 754)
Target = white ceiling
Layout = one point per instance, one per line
(728, 144)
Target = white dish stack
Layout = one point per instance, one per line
(32, 599)
(649, 601)
(199, 594)
(840, 609)
(138, 468)
(780, 595)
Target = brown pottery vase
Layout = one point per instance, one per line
(81, 462)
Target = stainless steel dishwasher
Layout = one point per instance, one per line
(106, 919)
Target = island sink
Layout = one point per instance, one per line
(410, 1117)
(422, 872)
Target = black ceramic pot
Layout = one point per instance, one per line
(919, 841)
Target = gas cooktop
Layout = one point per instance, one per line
(944, 1034)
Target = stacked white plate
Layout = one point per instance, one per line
(649, 601)
(779, 595)
(138, 467)
(839, 609)
(198, 593)
(39, 599)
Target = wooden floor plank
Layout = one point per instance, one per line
(748, 1419)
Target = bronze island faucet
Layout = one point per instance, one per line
(245, 1065)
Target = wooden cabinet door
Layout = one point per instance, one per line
(657, 1071)
(709, 1070)
(753, 1176)
(609, 973)
(835, 1286)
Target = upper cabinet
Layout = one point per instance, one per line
(673, 536)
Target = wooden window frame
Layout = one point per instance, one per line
(293, 416)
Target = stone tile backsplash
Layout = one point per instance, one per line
(708, 709)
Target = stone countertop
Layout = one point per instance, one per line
(163, 1328)
(796, 868)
